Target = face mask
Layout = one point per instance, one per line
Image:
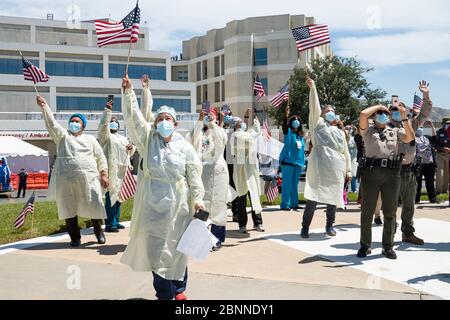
(243, 127)
(227, 119)
(330, 116)
(165, 128)
(206, 121)
(419, 132)
(114, 126)
(296, 124)
(396, 116)
(382, 118)
(74, 127)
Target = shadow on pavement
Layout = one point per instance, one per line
(443, 277)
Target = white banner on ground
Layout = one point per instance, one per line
(271, 149)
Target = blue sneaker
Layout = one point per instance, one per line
(331, 232)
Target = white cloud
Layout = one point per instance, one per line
(405, 48)
(442, 72)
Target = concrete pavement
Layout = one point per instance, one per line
(259, 266)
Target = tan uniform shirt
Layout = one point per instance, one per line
(382, 143)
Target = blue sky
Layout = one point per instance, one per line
(405, 41)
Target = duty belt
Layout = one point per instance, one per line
(383, 163)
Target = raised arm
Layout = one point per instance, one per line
(367, 113)
(285, 121)
(410, 132)
(425, 112)
(104, 133)
(147, 100)
(315, 110)
(55, 130)
(137, 127)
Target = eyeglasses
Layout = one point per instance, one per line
(394, 109)
(380, 112)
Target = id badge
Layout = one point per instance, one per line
(299, 145)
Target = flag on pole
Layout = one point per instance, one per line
(272, 192)
(33, 73)
(258, 88)
(125, 31)
(280, 97)
(27, 209)
(311, 36)
(128, 188)
(418, 102)
(266, 131)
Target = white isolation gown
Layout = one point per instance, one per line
(329, 162)
(245, 164)
(164, 203)
(75, 182)
(210, 147)
(115, 149)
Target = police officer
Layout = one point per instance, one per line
(443, 150)
(408, 188)
(380, 172)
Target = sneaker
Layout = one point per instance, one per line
(411, 238)
(331, 232)
(364, 252)
(180, 296)
(260, 228)
(297, 208)
(378, 221)
(120, 226)
(286, 209)
(390, 254)
(436, 201)
(217, 246)
(243, 230)
(304, 234)
(111, 230)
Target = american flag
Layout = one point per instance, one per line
(418, 102)
(27, 209)
(128, 188)
(266, 131)
(311, 36)
(258, 88)
(280, 97)
(33, 73)
(272, 192)
(125, 31)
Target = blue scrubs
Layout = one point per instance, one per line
(112, 213)
(292, 159)
(5, 176)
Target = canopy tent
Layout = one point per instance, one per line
(21, 154)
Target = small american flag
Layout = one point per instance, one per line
(280, 97)
(33, 73)
(125, 31)
(258, 88)
(128, 188)
(311, 36)
(418, 102)
(272, 192)
(266, 131)
(27, 209)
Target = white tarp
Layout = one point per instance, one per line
(21, 154)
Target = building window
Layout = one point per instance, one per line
(217, 92)
(180, 105)
(199, 95)
(265, 83)
(223, 90)
(205, 69)
(74, 69)
(217, 66)
(137, 71)
(222, 67)
(199, 71)
(261, 57)
(14, 66)
(205, 92)
(87, 104)
(182, 75)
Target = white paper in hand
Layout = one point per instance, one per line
(197, 241)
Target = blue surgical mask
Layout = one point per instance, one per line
(243, 127)
(295, 124)
(330, 116)
(382, 118)
(114, 126)
(396, 116)
(165, 128)
(206, 121)
(75, 127)
(419, 132)
(228, 119)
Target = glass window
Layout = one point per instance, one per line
(182, 75)
(217, 92)
(205, 69)
(199, 71)
(217, 66)
(180, 105)
(85, 104)
(223, 90)
(199, 95)
(136, 71)
(222, 66)
(265, 83)
(261, 57)
(14, 66)
(74, 69)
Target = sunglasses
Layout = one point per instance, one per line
(394, 109)
(380, 112)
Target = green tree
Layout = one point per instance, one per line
(340, 82)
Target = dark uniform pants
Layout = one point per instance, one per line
(374, 181)
(408, 192)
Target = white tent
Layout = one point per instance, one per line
(21, 154)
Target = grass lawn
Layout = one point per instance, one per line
(46, 218)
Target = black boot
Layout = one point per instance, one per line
(74, 232)
(98, 231)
